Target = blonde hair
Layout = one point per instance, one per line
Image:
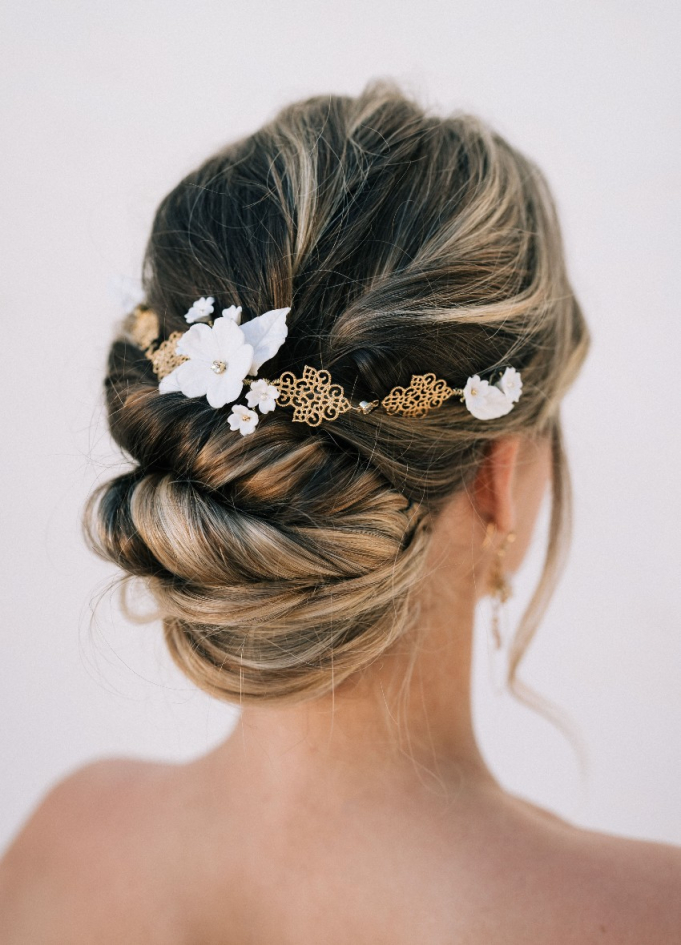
(404, 243)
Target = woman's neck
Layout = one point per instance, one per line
(409, 711)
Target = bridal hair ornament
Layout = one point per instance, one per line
(217, 358)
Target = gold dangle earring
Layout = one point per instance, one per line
(499, 586)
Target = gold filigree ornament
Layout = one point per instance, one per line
(425, 391)
(144, 330)
(165, 358)
(144, 327)
(313, 397)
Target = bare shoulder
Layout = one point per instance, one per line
(642, 879)
(74, 870)
(622, 890)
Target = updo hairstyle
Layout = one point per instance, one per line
(404, 243)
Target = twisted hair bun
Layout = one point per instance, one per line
(276, 557)
(283, 561)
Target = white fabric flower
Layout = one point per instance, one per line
(233, 312)
(243, 419)
(262, 395)
(484, 400)
(219, 360)
(126, 292)
(266, 334)
(511, 384)
(200, 310)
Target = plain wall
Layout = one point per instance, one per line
(105, 106)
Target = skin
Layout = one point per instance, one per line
(366, 817)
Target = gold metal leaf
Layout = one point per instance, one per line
(165, 359)
(424, 392)
(143, 327)
(313, 397)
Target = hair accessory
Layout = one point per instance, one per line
(313, 397)
(423, 393)
(201, 310)
(216, 359)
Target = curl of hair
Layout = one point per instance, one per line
(404, 243)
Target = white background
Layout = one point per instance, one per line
(105, 106)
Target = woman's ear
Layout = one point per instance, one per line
(492, 493)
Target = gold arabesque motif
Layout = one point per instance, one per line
(144, 330)
(165, 359)
(425, 391)
(313, 397)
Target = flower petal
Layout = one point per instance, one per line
(240, 361)
(259, 388)
(202, 308)
(126, 292)
(267, 405)
(249, 421)
(223, 388)
(475, 391)
(199, 343)
(262, 395)
(170, 383)
(243, 419)
(228, 338)
(493, 404)
(266, 334)
(233, 312)
(193, 378)
(511, 384)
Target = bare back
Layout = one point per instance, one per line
(134, 852)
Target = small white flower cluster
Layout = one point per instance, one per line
(221, 356)
(201, 310)
(261, 395)
(488, 401)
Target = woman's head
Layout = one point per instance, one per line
(404, 244)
